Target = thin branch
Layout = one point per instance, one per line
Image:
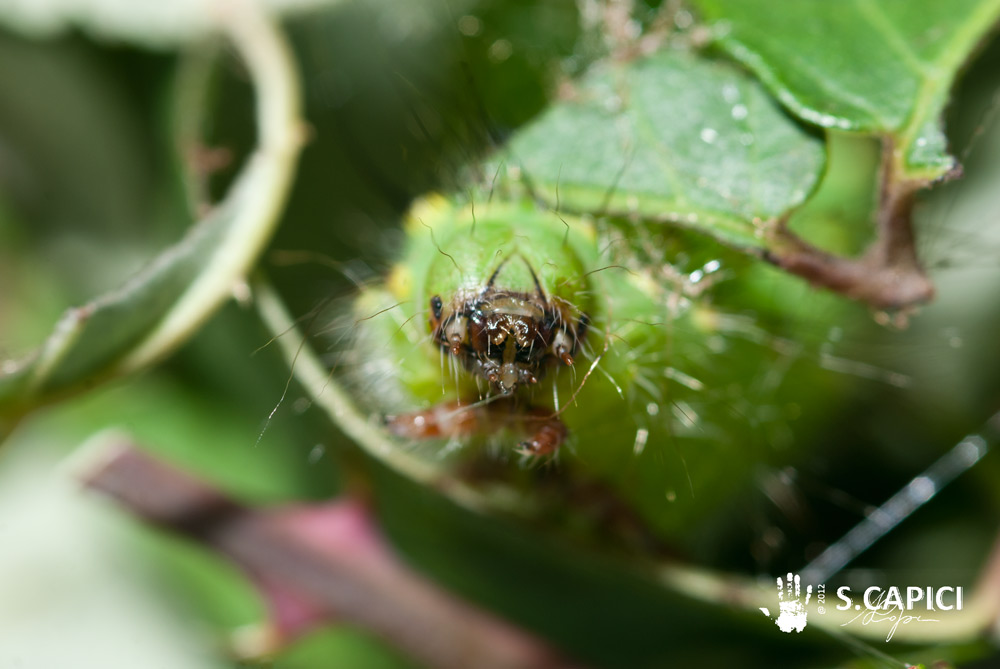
(261, 190)
(331, 557)
(889, 274)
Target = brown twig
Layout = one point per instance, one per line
(330, 557)
(888, 275)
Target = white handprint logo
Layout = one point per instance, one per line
(791, 610)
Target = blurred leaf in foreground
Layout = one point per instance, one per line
(155, 24)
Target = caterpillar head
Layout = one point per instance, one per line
(507, 337)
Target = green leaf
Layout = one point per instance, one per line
(155, 312)
(880, 67)
(672, 138)
(90, 338)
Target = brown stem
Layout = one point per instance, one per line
(888, 275)
(357, 579)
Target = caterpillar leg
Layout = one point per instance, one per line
(445, 420)
(549, 432)
(453, 419)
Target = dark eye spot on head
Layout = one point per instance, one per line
(436, 306)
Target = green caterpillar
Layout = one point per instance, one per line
(512, 326)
